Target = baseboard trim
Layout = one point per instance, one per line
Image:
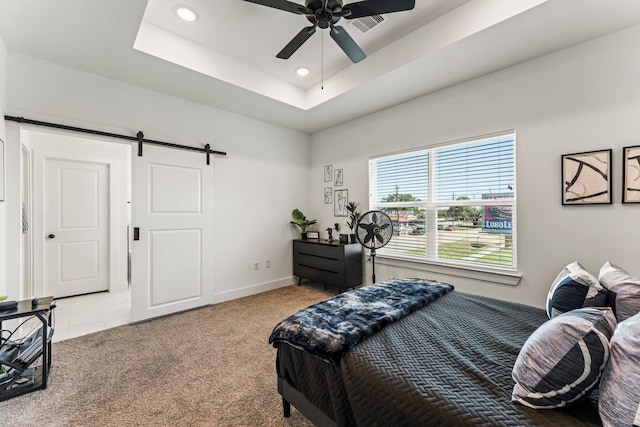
(253, 290)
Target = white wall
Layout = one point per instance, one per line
(262, 179)
(3, 209)
(583, 98)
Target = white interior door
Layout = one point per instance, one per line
(77, 227)
(172, 207)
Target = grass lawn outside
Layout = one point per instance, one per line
(464, 249)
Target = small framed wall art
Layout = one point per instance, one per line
(313, 234)
(586, 178)
(631, 174)
(341, 197)
(328, 195)
(339, 178)
(328, 173)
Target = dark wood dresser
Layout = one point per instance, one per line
(329, 262)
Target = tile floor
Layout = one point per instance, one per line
(85, 314)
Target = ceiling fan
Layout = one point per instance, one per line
(326, 13)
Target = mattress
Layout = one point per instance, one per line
(447, 364)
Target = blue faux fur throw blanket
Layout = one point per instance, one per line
(330, 328)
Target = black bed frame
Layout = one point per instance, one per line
(291, 396)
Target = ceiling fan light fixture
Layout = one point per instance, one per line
(186, 13)
(302, 71)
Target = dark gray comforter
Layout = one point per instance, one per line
(331, 327)
(447, 364)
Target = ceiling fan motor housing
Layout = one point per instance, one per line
(316, 12)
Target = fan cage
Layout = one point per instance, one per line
(374, 229)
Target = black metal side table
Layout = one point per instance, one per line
(9, 387)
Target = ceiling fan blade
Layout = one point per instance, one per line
(296, 42)
(285, 5)
(347, 44)
(377, 7)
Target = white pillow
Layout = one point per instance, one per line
(561, 362)
(574, 288)
(626, 288)
(619, 402)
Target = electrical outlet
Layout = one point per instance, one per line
(267, 263)
(256, 265)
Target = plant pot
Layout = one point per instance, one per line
(303, 236)
(353, 238)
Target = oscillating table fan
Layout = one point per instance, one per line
(374, 230)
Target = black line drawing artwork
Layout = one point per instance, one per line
(328, 195)
(341, 197)
(586, 178)
(339, 178)
(631, 175)
(328, 173)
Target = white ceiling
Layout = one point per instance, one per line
(226, 59)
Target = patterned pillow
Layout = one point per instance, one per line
(562, 360)
(619, 392)
(574, 288)
(626, 288)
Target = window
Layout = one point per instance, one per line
(452, 204)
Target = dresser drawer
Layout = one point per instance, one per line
(322, 276)
(323, 250)
(320, 263)
(334, 264)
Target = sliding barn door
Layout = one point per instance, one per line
(172, 251)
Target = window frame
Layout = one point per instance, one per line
(432, 206)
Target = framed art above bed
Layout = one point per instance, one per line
(631, 174)
(586, 178)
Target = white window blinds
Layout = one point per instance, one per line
(452, 204)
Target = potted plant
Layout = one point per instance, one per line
(354, 217)
(301, 222)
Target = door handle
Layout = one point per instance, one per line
(136, 233)
(51, 236)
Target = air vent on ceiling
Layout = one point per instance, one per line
(366, 23)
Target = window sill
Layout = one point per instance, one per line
(478, 273)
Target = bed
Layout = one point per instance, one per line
(447, 363)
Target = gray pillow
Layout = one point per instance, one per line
(574, 288)
(620, 387)
(626, 288)
(562, 360)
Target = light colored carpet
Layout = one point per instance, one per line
(207, 367)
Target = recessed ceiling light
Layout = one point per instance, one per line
(186, 13)
(302, 71)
